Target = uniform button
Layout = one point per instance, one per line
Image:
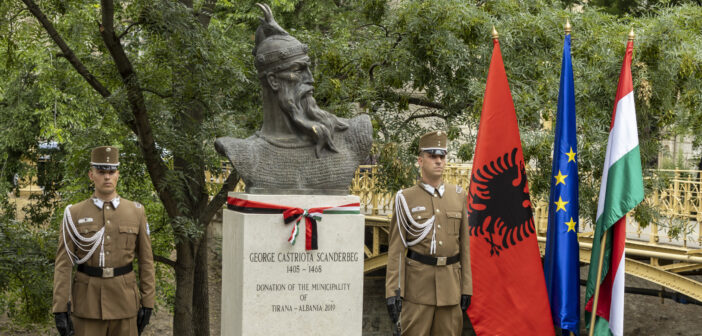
(441, 243)
(108, 221)
(438, 226)
(108, 252)
(107, 207)
(419, 217)
(436, 195)
(108, 237)
(437, 211)
(130, 230)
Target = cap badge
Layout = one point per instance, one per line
(108, 149)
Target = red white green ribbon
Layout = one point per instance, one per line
(293, 214)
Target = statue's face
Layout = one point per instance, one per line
(296, 77)
(293, 87)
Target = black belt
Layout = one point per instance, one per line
(104, 272)
(428, 260)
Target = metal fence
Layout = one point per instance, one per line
(676, 196)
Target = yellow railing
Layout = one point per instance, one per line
(677, 196)
(680, 195)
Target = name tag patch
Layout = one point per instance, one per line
(85, 220)
(418, 208)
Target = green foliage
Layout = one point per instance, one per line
(26, 257)
(396, 171)
(413, 66)
(638, 7)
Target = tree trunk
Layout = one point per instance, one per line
(185, 278)
(191, 315)
(201, 302)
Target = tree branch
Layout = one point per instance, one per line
(221, 197)
(385, 29)
(141, 125)
(68, 53)
(415, 100)
(108, 13)
(164, 260)
(158, 93)
(425, 103)
(205, 14)
(425, 115)
(127, 29)
(14, 16)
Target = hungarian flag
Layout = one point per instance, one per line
(621, 190)
(509, 293)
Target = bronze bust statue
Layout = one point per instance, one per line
(301, 148)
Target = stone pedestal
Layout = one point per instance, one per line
(270, 287)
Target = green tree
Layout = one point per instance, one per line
(164, 78)
(159, 84)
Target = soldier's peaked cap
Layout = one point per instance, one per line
(434, 143)
(105, 158)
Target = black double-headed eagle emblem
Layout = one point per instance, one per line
(499, 207)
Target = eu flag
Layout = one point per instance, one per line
(561, 261)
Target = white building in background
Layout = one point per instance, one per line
(679, 152)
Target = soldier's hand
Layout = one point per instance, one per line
(394, 308)
(465, 302)
(62, 324)
(143, 318)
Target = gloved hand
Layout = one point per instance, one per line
(394, 308)
(465, 302)
(143, 317)
(63, 325)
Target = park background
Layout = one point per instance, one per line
(161, 79)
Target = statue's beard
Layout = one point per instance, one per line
(308, 118)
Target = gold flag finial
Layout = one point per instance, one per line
(495, 35)
(631, 35)
(568, 27)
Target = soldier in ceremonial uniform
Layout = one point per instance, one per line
(429, 253)
(101, 236)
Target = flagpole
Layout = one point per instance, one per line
(599, 266)
(568, 29)
(597, 285)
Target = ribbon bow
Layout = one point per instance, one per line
(311, 216)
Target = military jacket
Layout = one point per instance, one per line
(429, 284)
(126, 236)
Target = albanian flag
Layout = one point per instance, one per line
(509, 292)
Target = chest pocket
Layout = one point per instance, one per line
(454, 221)
(421, 216)
(128, 234)
(87, 230)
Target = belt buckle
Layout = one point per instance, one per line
(108, 272)
(441, 261)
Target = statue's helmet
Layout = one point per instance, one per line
(275, 47)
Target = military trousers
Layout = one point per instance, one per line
(422, 320)
(95, 327)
